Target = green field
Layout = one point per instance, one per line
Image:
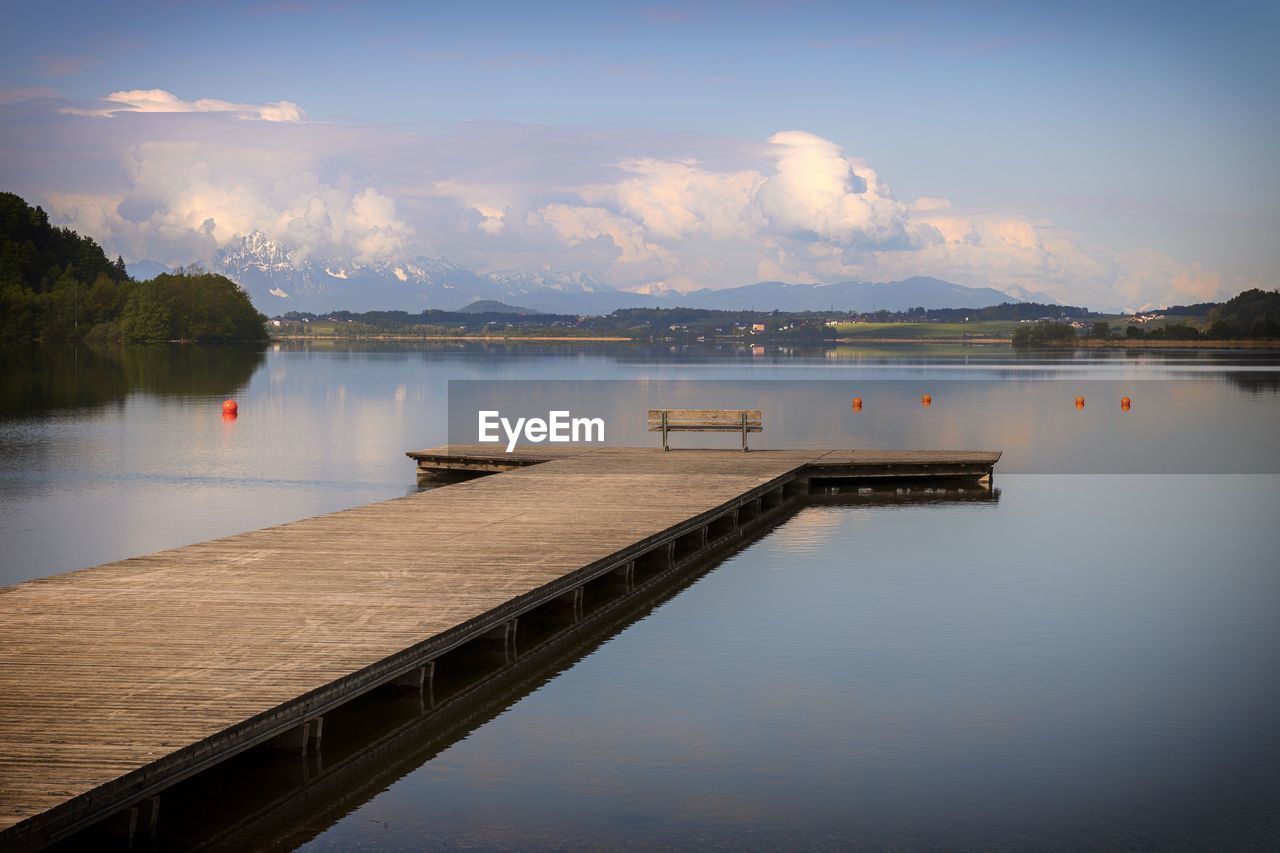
(924, 331)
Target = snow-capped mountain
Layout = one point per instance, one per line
(280, 278)
(658, 288)
(1022, 294)
(562, 282)
(569, 293)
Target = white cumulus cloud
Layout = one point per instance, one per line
(816, 191)
(632, 208)
(576, 225)
(160, 101)
(678, 198)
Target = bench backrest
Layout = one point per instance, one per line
(705, 420)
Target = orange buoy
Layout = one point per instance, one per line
(230, 406)
(1125, 403)
(1079, 402)
(926, 400)
(857, 404)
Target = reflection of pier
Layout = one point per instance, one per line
(272, 801)
(123, 680)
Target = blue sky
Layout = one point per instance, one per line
(1133, 140)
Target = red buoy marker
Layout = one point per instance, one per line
(926, 400)
(229, 406)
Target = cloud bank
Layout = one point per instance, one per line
(153, 176)
(160, 101)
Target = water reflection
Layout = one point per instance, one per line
(36, 380)
(264, 800)
(1255, 383)
(1090, 661)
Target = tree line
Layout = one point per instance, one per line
(57, 285)
(1251, 315)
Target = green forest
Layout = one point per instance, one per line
(56, 285)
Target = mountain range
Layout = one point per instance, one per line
(280, 278)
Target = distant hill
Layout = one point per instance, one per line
(1199, 309)
(920, 291)
(492, 306)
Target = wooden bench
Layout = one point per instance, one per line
(705, 420)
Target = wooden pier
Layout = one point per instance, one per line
(121, 680)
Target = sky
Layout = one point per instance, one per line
(1105, 154)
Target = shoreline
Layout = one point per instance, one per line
(1136, 343)
(1083, 343)
(522, 338)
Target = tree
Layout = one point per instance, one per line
(1042, 334)
(57, 285)
(146, 317)
(43, 274)
(1101, 329)
(191, 306)
(1251, 314)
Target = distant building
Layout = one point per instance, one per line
(757, 327)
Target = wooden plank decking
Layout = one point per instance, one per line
(119, 680)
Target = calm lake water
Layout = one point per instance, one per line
(1088, 657)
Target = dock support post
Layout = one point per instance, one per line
(427, 693)
(293, 740)
(724, 525)
(419, 678)
(626, 574)
(506, 634)
(148, 816)
(574, 598)
(298, 738)
(127, 826)
(120, 827)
